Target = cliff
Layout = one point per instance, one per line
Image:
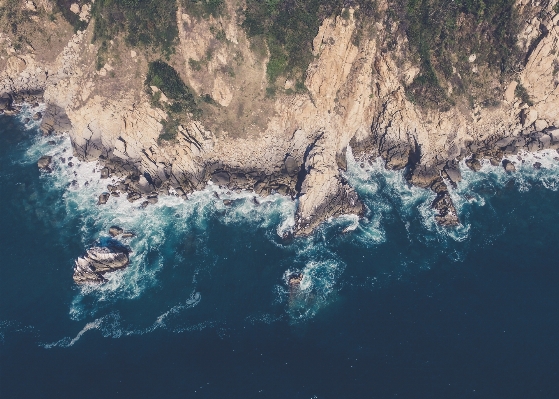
(217, 96)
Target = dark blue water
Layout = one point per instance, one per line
(395, 308)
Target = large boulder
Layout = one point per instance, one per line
(474, 164)
(44, 163)
(103, 198)
(115, 231)
(509, 166)
(5, 101)
(98, 261)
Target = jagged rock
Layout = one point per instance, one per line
(128, 234)
(454, 174)
(398, 156)
(105, 173)
(115, 231)
(446, 212)
(509, 166)
(227, 202)
(98, 261)
(133, 196)
(37, 116)
(423, 175)
(341, 159)
(44, 163)
(103, 198)
(153, 199)
(5, 101)
(474, 164)
(537, 165)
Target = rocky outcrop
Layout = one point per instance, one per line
(97, 262)
(44, 163)
(294, 143)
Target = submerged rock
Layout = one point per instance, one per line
(98, 261)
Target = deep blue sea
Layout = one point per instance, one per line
(396, 307)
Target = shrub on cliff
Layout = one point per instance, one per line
(148, 23)
(182, 100)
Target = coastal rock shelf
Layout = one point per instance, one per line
(98, 261)
(216, 112)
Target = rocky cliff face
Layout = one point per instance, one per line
(293, 142)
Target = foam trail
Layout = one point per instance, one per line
(67, 342)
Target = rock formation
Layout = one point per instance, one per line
(355, 93)
(98, 261)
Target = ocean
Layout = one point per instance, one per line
(390, 305)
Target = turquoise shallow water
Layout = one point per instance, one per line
(396, 307)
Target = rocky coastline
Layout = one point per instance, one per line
(295, 143)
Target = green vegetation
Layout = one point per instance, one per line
(288, 28)
(204, 8)
(64, 7)
(443, 34)
(181, 99)
(556, 7)
(147, 23)
(522, 93)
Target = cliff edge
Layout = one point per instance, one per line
(218, 92)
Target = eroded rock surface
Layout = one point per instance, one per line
(294, 143)
(98, 261)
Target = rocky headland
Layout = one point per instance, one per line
(224, 102)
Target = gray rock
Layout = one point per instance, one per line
(221, 178)
(44, 163)
(103, 198)
(509, 166)
(341, 159)
(5, 101)
(504, 142)
(133, 196)
(454, 174)
(537, 165)
(291, 166)
(474, 164)
(115, 231)
(153, 199)
(37, 116)
(98, 261)
(446, 212)
(105, 173)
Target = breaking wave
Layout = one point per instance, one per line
(175, 260)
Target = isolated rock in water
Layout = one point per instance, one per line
(509, 166)
(98, 261)
(537, 165)
(104, 173)
(84, 273)
(103, 198)
(44, 162)
(115, 231)
(446, 212)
